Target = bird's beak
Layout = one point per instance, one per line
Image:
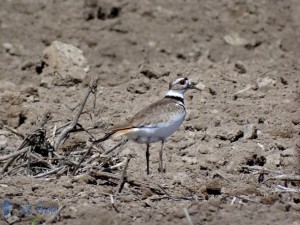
(193, 87)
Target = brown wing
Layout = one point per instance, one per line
(155, 113)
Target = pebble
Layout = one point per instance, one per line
(239, 67)
(265, 83)
(249, 131)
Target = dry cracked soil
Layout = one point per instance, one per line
(223, 165)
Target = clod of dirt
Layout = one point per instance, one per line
(284, 132)
(152, 72)
(138, 87)
(231, 135)
(65, 60)
(249, 131)
(73, 142)
(214, 187)
(269, 199)
(255, 159)
(239, 67)
(245, 189)
(84, 179)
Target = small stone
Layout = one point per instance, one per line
(235, 39)
(249, 131)
(265, 83)
(231, 135)
(239, 67)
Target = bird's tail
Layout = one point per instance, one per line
(106, 136)
(115, 135)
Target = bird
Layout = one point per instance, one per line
(156, 122)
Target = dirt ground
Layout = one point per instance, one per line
(239, 131)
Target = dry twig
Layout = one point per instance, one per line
(121, 181)
(92, 87)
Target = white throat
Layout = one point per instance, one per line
(175, 93)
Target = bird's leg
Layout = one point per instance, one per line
(147, 158)
(161, 169)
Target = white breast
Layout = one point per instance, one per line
(156, 132)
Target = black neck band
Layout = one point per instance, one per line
(175, 97)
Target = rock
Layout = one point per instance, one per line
(249, 131)
(265, 83)
(235, 39)
(151, 72)
(138, 87)
(66, 60)
(231, 135)
(239, 67)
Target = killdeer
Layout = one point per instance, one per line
(157, 121)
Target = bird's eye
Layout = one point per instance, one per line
(182, 82)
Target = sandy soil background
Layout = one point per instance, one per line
(239, 131)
